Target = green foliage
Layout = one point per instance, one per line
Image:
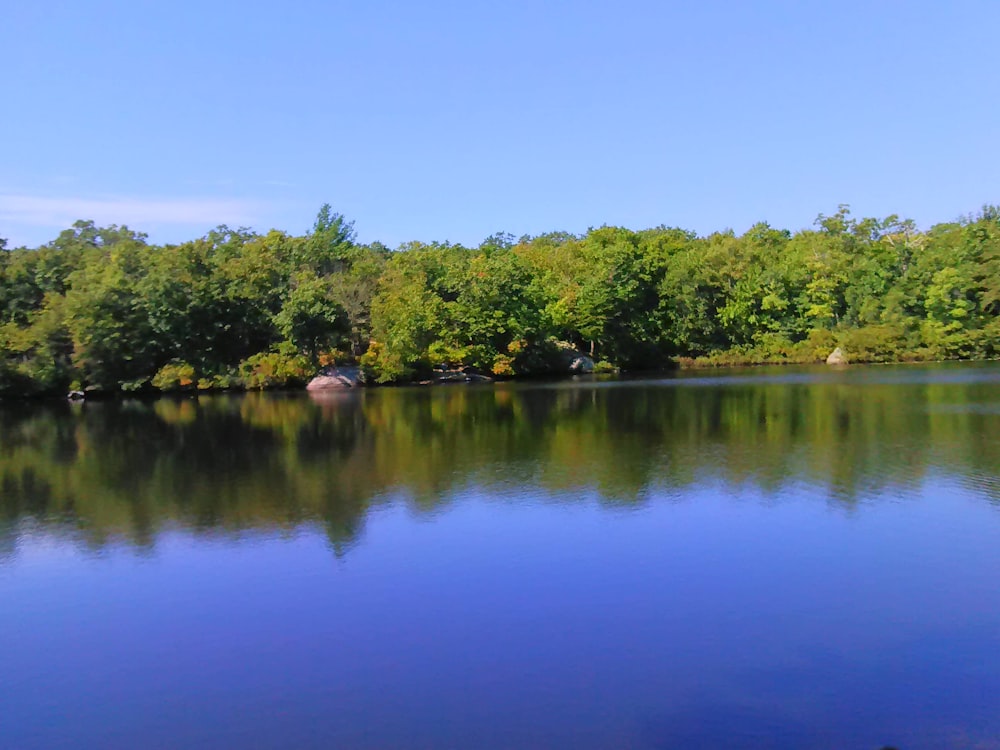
(310, 318)
(38, 356)
(101, 306)
(282, 368)
(410, 312)
(175, 376)
(383, 366)
(875, 343)
(112, 335)
(499, 304)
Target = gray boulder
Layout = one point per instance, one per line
(336, 378)
(836, 357)
(572, 359)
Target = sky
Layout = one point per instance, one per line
(450, 121)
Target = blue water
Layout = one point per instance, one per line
(515, 597)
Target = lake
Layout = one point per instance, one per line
(767, 558)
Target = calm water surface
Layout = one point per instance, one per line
(763, 559)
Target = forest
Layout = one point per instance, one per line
(102, 309)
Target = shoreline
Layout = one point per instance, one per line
(459, 378)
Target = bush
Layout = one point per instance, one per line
(879, 343)
(819, 343)
(223, 381)
(447, 355)
(175, 376)
(380, 366)
(945, 340)
(275, 369)
(503, 365)
(989, 339)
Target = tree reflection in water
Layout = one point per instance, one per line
(127, 470)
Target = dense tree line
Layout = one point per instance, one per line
(101, 307)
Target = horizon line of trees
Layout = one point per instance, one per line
(101, 307)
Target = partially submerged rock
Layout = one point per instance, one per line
(336, 378)
(836, 357)
(572, 359)
(465, 375)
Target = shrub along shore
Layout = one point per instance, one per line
(100, 308)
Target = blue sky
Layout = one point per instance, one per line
(453, 120)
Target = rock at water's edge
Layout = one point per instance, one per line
(836, 357)
(572, 359)
(336, 378)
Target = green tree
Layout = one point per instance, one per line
(498, 311)
(310, 318)
(112, 336)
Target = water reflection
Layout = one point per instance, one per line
(129, 469)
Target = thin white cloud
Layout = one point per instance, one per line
(42, 211)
